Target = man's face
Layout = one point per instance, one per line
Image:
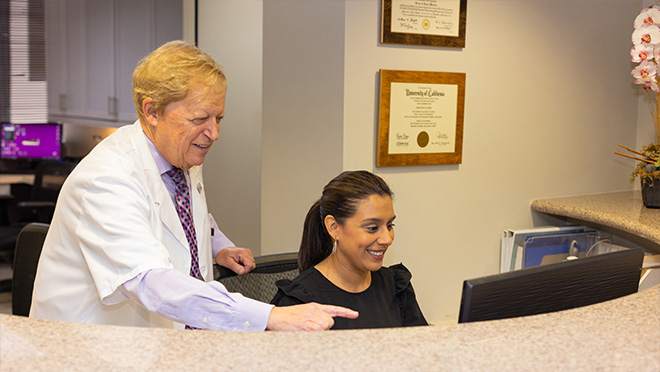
(186, 129)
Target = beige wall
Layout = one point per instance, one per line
(548, 97)
(303, 101)
(231, 32)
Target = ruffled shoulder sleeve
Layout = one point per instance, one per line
(405, 297)
(294, 292)
(402, 277)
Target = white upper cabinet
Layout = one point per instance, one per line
(92, 47)
(99, 55)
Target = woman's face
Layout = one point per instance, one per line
(364, 238)
(186, 129)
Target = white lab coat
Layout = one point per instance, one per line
(114, 219)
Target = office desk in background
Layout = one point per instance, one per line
(6, 180)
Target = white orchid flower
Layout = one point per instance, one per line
(648, 17)
(640, 53)
(649, 84)
(645, 70)
(646, 35)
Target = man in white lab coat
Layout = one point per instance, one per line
(116, 251)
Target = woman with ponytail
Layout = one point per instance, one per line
(345, 236)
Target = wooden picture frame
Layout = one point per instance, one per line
(420, 120)
(437, 23)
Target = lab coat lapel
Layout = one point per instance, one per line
(167, 212)
(198, 200)
(161, 197)
(202, 222)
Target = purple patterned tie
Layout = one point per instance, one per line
(185, 215)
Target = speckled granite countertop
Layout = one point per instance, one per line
(620, 210)
(618, 335)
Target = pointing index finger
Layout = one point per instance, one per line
(339, 311)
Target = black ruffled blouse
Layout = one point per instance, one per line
(388, 302)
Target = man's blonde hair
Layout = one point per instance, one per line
(167, 74)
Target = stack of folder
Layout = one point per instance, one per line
(526, 248)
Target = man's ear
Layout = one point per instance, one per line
(150, 111)
(332, 226)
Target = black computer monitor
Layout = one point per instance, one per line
(31, 141)
(553, 287)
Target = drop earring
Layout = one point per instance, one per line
(334, 246)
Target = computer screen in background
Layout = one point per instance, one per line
(31, 141)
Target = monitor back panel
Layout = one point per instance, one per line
(553, 287)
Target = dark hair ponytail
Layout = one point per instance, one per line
(316, 243)
(340, 199)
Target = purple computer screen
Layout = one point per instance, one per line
(31, 141)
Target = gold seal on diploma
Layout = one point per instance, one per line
(422, 139)
(426, 24)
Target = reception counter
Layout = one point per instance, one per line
(618, 335)
(623, 211)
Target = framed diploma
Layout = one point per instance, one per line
(439, 23)
(420, 119)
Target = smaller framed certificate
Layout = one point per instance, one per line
(439, 23)
(420, 119)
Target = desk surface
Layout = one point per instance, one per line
(8, 179)
(618, 335)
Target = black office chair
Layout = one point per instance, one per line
(8, 234)
(28, 249)
(10, 228)
(48, 179)
(259, 284)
